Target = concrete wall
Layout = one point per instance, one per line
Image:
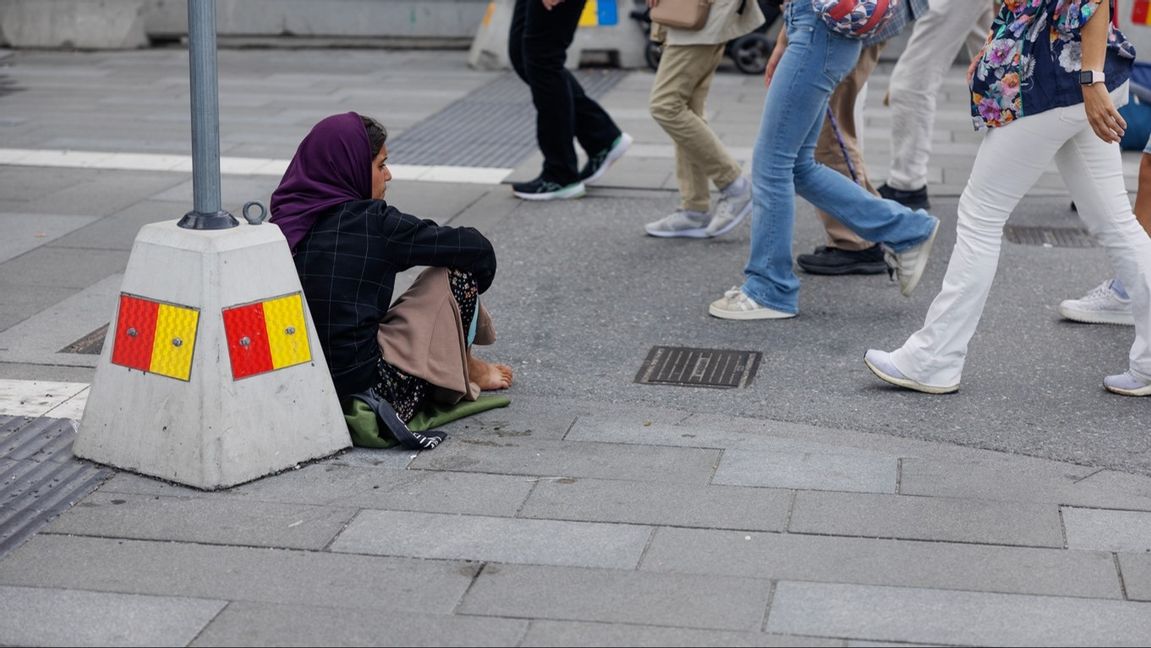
(85, 24)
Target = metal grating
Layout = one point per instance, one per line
(493, 126)
(91, 344)
(39, 477)
(687, 367)
(1062, 237)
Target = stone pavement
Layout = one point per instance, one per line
(814, 507)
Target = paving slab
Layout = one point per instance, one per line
(24, 232)
(1106, 530)
(1058, 483)
(262, 624)
(836, 472)
(1136, 570)
(721, 507)
(355, 487)
(503, 540)
(575, 633)
(55, 267)
(209, 519)
(57, 617)
(616, 596)
(557, 458)
(235, 573)
(869, 561)
(965, 618)
(927, 518)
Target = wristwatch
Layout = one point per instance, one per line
(1089, 77)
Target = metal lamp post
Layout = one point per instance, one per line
(206, 213)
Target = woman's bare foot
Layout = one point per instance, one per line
(489, 375)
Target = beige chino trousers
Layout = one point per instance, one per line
(829, 153)
(677, 104)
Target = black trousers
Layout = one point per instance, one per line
(537, 44)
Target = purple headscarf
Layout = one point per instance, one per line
(333, 165)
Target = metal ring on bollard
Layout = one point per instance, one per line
(258, 219)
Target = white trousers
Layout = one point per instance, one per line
(1010, 160)
(917, 77)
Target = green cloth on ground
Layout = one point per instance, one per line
(365, 427)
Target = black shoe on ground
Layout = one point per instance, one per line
(914, 199)
(543, 189)
(834, 261)
(598, 163)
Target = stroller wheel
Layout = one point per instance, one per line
(652, 54)
(750, 53)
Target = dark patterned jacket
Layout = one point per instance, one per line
(348, 263)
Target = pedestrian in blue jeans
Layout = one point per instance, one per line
(814, 60)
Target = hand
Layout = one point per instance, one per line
(776, 55)
(551, 4)
(1105, 120)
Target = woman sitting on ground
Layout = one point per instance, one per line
(348, 244)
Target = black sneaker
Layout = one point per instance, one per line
(834, 261)
(914, 199)
(541, 189)
(598, 163)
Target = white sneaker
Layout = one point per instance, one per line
(1100, 306)
(910, 264)
(1127, 384)
(737, 306)
(880, 364)
(680, 223)
(729, 212)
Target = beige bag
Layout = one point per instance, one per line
(681, 14)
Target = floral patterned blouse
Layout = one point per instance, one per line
(1032, 57)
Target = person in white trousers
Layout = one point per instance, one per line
(915, 82)
(1020, 89)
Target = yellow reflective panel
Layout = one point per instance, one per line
(287, 333)
(175, 341)
(590, 15)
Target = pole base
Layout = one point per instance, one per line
(203, 221)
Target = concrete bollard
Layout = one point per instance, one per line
(212, 374)
(83, 24)
(606, 28)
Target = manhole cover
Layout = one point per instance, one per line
(91, 344)
(688, 367)
(1064, 237)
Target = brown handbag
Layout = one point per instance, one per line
(682, 14)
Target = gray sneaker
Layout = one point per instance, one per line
(909, 265)
(679, 224)
(1127, 384)
(729, 212)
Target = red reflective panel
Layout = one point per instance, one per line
(135, 332)
(247, 340)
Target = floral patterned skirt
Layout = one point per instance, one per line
(406, 393)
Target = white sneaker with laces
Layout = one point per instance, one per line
(729, 212)
(1127, 384)
(735, 305)
(880, 364)
(909, 265)
(681, 223)
(1100, 306)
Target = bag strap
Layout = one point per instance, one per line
(407, 438)
(842, 145)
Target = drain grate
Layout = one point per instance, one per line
(493, 126)
(1062, 237)
(688, 367)
(91, 344)
(39, 477)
